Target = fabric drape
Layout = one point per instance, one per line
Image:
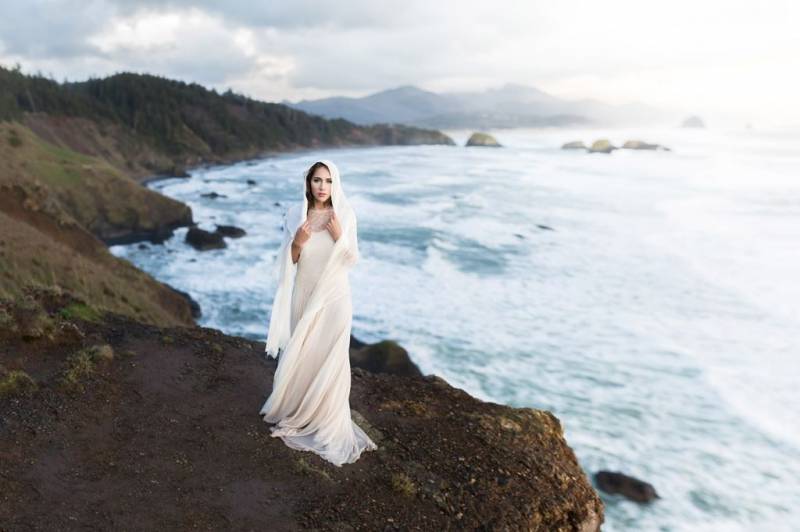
(343, 256)
(310, 330)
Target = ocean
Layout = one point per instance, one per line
(649, 299)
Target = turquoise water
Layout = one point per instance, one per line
(658, 318)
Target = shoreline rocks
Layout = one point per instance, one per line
(693, 121)
(574, 145)
(483, 140)
(617, 483)
(602, 146)
(230, 231)
(605, 146)
(641, 145)
(386, 356)
(203, 240)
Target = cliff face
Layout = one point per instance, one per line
(53, 205)
(98, 196)
(102, 417)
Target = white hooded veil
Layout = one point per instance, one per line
(343, 256)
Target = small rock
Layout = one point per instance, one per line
(482, 139)
(574, 145)
(213, 195)
(602, 146)
(627, 486)
(641, 145)
(693, 122)
(386, 356)
(203, 240)
(230, 231)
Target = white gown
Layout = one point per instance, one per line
(314, 412)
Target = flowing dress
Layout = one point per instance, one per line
(313, 412)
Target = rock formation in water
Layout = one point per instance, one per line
(482, 139)
(602, 146)
(641, 145)
(693, 122)
(574, 145)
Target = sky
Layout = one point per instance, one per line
(732, 61)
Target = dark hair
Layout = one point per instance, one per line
(309, 195)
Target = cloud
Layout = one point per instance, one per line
(50, 30)
(291, 15)
(730, 57)
(190, 45)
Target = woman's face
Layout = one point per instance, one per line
(321, 183)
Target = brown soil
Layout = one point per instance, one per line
(127, 426)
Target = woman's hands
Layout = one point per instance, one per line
(302, 235)
(333, 227)
(300, 238)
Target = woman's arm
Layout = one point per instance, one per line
(296, 248)
(300, 238)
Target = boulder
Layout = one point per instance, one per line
(627, 486)
(203, 240)
(574, 145)
(482, 139)
(230, 231)
(213, 195)
(383, 357)
(641, 145)
(602, 146)
(693, 121)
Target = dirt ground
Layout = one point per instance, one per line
(126, 426)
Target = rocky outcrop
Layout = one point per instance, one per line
(386, 356)
(202, 240)
(574, 145)
(605, 146)
(482, 139)
(693, 122)
(641, 145)
(614, 482)
(230, 231)
(212, 195)
(602, 146)
(103, 416)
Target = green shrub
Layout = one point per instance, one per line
(16, 383)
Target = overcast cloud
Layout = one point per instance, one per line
(728, 60)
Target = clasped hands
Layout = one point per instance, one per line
(304, 231)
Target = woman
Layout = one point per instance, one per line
(311, 321)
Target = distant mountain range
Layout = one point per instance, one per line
(511, 105)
